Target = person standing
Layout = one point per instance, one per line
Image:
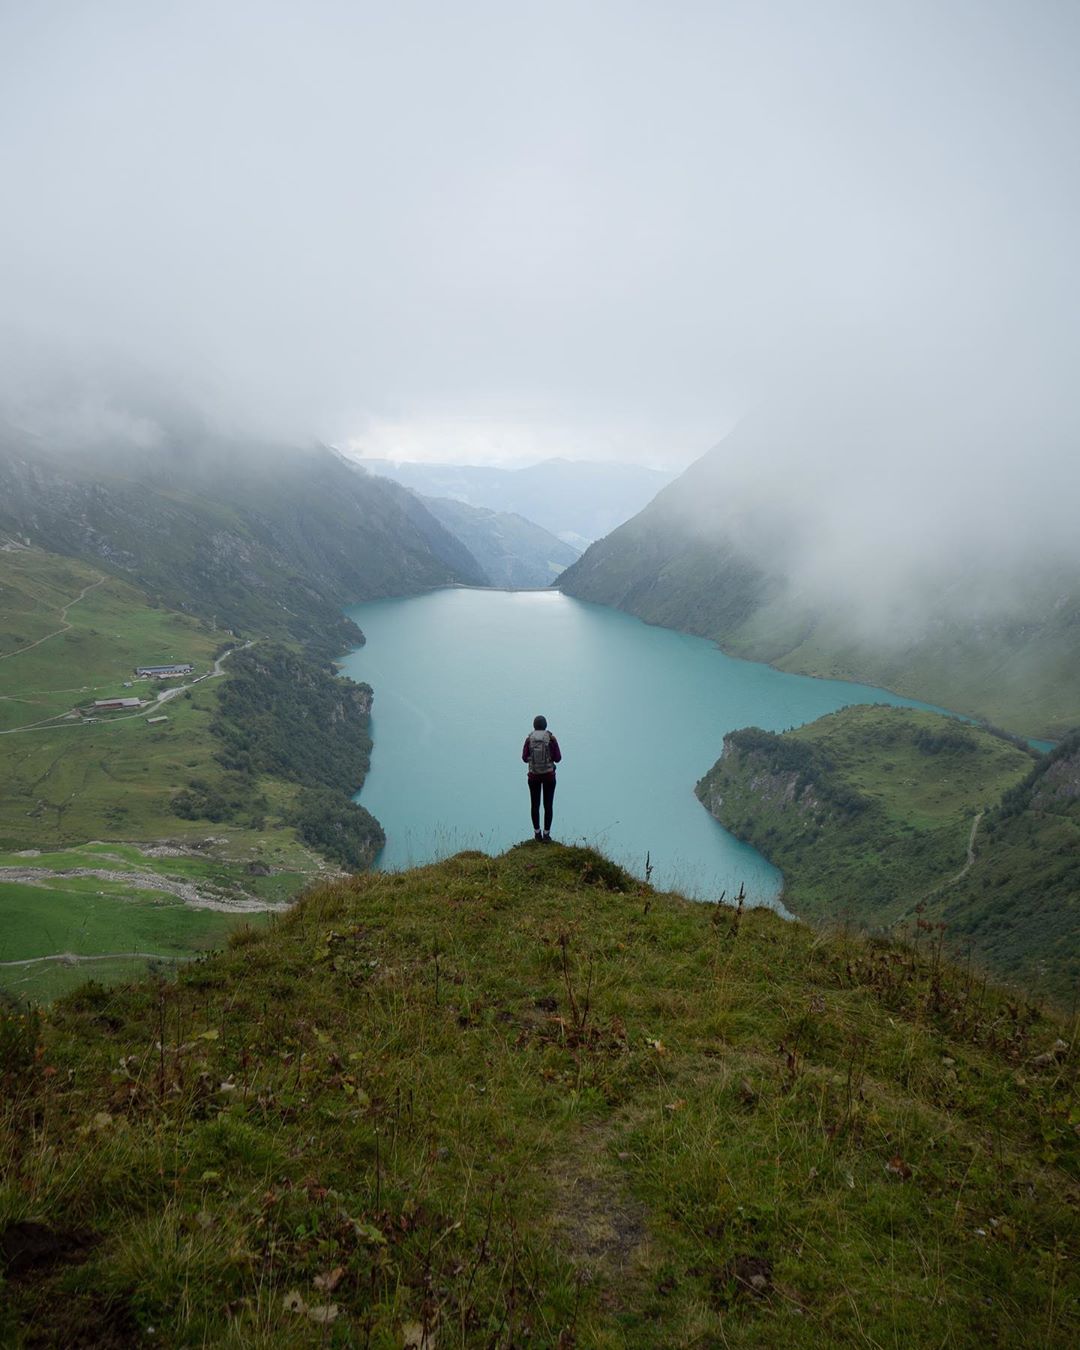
(541, 753)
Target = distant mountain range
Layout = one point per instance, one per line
(575, 499)
(691, 561)
(512, 551)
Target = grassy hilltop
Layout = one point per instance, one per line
(891, 816)
(525, 1099)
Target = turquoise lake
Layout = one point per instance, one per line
(640, 714)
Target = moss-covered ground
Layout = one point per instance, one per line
(526, 1100)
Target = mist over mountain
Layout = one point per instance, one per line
(575, 499)
(261, 537)
(907, 543)
(511, 550)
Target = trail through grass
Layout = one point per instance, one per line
(525, 1099)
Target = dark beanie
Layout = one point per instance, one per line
(539, 724)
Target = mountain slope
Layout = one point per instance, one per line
(528, 1100)
(1021, 896)
(512, 551)
(203, 803)
(993, 640)
(891, 817)
(257, 538)
(577, 500)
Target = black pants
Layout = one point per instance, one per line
(546, 785)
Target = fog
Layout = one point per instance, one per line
(484, 232)
(897, 514)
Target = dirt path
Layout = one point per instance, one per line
(959, 876)
(74, 959)
(598, 1224)
(66, 627)
(970, 854)
(196, 897)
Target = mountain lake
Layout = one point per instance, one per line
(640, 714)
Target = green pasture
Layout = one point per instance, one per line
(116, 779)
(872, 751)
(215, 871)
(105, 917)
(113, 628)
(73, 782)
(89, 917)
(86, 916)
(42, 984)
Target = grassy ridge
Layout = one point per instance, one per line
(870, 813)
(1025, 880)
(526, 1099)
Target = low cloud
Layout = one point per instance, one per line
(480, 230)
(897, 503)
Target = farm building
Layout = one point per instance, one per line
(118, 703)
(163, 672)
(153, 721)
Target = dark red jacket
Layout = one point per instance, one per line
(556, 756)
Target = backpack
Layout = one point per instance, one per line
(540, 760)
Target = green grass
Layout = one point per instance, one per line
(1026, 878)
(894, 853)
(527, 1100)
(874, 750)
(97, 916)
(71, 781)
(84, 916)
(68, 782)
(112, 629)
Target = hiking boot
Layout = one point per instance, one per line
(547, 837)
(538, 837)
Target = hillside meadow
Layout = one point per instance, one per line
(528, 1100)
(81, 794)
(896, 819)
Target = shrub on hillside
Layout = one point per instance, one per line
(284, 715)
(338, 828)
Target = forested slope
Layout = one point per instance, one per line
(256, 538)
(896, 819)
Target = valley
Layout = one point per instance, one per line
(165, 886)
(247, 770)
(381, 385)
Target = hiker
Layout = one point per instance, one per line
(541, 753)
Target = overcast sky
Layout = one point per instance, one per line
(484, 231)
